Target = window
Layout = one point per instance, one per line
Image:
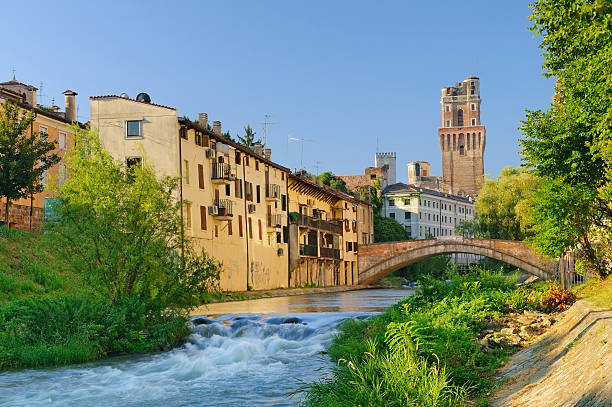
(62, 174)
(238, 188)
(460, 118)
(203, 217)
(392, 215)
(62, 141)
(473, 122)
(407, 201)
(201, 176)
(186, 171)
(407, 215)
(259, 224)
(372, 176)
(237, 157)
(43, 134)
(256, 165)
(187, 215)
(134, 129)
(447, 108)
(198, 138)
(229, 227)
(258, 190)
(240, 225)
(472, 92)
(461, 150)
(182, 132)
(250, 228)
(227, 190)
(473, 106)
(133, 162)
(448, 123)
(391, 202)
(284, 202)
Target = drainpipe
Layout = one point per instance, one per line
(246, 214)
(181, 196)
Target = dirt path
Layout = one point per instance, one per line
(570, 366)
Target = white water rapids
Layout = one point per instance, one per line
(229, 360)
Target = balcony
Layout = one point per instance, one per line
(330, 253)
(310, 222)
(221, 173)
(223, 209)
(275, 221)
(272, 192)
(308, 250)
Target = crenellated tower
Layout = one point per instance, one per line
(462, 138)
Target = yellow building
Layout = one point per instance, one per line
(325, 231)
(234, 200)
(51, 124)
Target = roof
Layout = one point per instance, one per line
(325, 189)
(60, 116)
(243, 149)
(16, 82)
(400, 187)
(130, 99)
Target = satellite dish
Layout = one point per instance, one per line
(124, 95)
(143, 97)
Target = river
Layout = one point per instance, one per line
(247, 353)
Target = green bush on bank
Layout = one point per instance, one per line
(436, 327)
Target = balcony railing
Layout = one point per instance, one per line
(221, 172)
(330, 253)
(272, 191)
(224, 208)
(309, 250)
(309, 221)
(275, 220)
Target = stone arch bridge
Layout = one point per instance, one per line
(379, 259)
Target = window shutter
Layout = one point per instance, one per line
(240, 225)
(250, 228)
(229, 227)
(203, 217)
(259, 222)
(201, 175)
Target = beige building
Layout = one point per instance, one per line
(326, 229)
(51, 124)
(235, 201)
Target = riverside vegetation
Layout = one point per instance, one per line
(424, 350)
(113, 272)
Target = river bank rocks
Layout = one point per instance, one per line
(514, 329)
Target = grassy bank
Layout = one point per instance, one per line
(423, 351)
(49, 317)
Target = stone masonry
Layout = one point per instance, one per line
(378, 260)
(19, 216)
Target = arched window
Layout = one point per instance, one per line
(460, 117)
(461, 150)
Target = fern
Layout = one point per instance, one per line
(405, 336)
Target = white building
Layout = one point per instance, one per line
(424, 212)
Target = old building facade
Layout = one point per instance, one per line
(326, 229)
(237, 202)
(424, 212)
(462, 138)
(51, 124)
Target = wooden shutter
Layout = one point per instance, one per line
(203, 217)
(240, 225)
(250, 228)
(201, 175)
(229, 227)
(259, 222)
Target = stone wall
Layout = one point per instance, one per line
(19, 216)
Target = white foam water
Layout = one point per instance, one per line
(230, 360)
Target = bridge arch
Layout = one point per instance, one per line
(378, 260)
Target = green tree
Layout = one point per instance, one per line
(388, 230)
(120, 229)
(24, 156)
(571, 143)
(329, 179)
(248, 140)
(499, 210)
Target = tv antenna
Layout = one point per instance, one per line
(41, 94)
(14, 74)
(301, 140)
(265, 123)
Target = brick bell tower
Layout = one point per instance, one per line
(462, 138)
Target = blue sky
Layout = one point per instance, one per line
(344, 75)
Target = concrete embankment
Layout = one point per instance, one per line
(571, 365)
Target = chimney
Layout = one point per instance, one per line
(258, 149)
(217, 127)
(70, 105)
(268, 154)
(203, 120)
